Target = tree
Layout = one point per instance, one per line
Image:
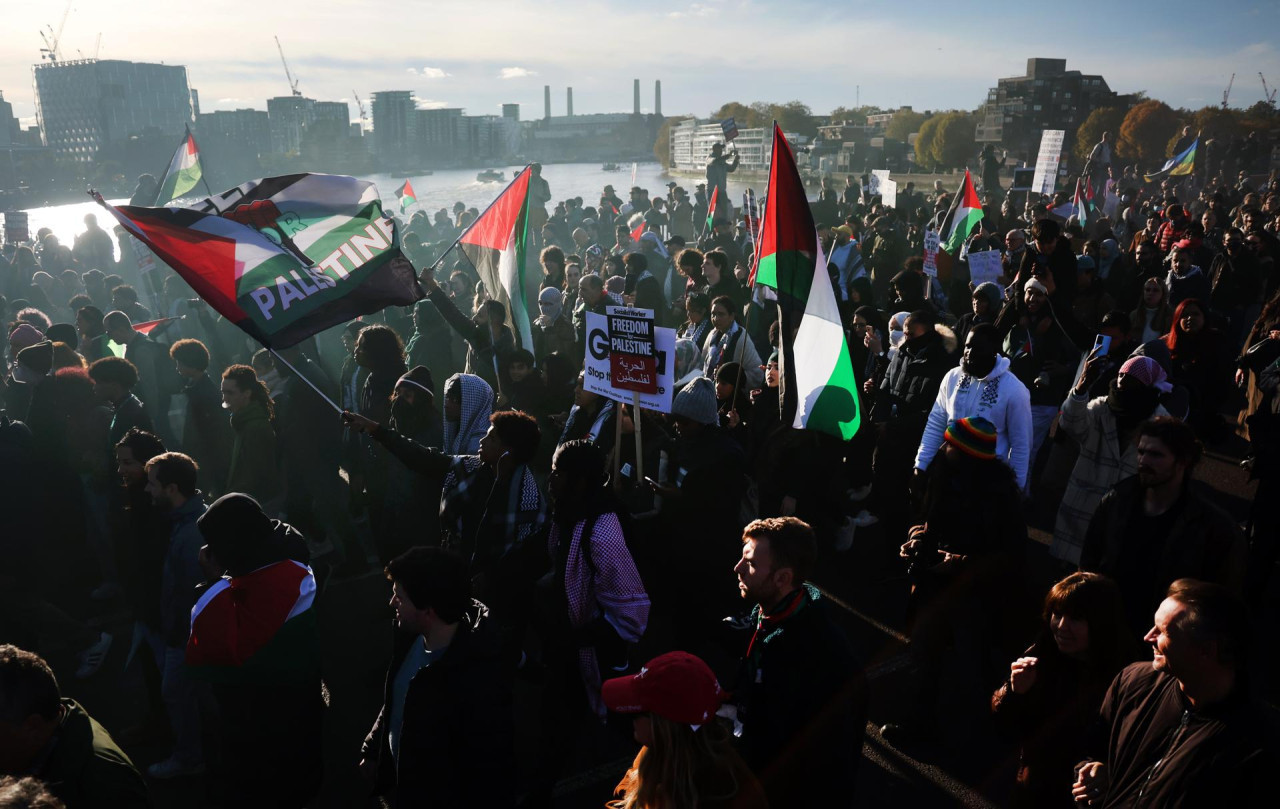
(740, 113)
(1103, 119)
(792, 117)
(953, 143)
(853, 115)
(924, 142)
(662, 146)
(903, 123)
(1146, 131)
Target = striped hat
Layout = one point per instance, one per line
(975, 437)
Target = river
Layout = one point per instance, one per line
(441, 190)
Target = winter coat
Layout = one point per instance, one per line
(253, 468)
(555, 336)
(911, 380)
(206, 435)
(1159, 751)
(457, 744)
(1195, 284)
(181, 573)
(86, 769)
(485, 358)
(1102, 464)
(1033, 348)
(999, 398)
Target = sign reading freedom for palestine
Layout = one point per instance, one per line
(597, 367)
(633, 356)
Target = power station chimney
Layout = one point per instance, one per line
(568, 96)
(546, 99)
(637, 97)
(657, 97)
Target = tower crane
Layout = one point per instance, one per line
(52, 38)
(360, 104)
(1266, 91)
(1227, 92)
(293, 83)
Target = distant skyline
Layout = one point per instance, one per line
(481, 55)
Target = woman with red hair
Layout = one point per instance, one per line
(1200, 361)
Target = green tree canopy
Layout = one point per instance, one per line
(1146, 131)
(953, 144)
(924, 142)
(903, 123)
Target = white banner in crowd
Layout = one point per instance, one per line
(984, 266)
(1046, 176)
(596, 368)
(889, 192)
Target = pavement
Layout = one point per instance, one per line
(971, 765)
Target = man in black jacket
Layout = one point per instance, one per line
(446, 712)
(206, 431)
(1154, 528)
(800, 694)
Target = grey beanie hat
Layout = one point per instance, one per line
(697, 402)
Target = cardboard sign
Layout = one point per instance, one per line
(598, 367)
(931, 243)
(15, 227)
(1046, 176)
(1022, 179)
(730, 128)
(889, 193)
(633, 355)
(878, 178)
(985, 266)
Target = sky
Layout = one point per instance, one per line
(484, 53)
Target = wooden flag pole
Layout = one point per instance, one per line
(617, 447)
(635, 419)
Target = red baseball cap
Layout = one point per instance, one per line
(676, 686)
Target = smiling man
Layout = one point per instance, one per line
(1181, 730)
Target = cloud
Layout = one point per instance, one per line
(696, 10)
(431, 104)
(516, 73)
(430, 73)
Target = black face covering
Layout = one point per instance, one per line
(1132, 404)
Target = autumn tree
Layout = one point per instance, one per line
(1146, 131)
(740, 113)
(662, 145)
(903, 123)
(1103, 119)
(924, 141)
(953, 142)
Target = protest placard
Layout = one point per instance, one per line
(1046, 176)
(730, 128)
(15, 227)
(889, 193)
(984, 266)
(633, 360)
(931, 243)
(598, 371)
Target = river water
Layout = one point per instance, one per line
(441, 190)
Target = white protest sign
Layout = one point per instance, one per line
(931, 243)
(1046, 176)
(984, 266)
(889, 193)
(878, 178)
(597, 372)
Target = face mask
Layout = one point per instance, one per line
(896, 336)
(1132, 403)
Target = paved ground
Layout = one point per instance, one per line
(971, 766)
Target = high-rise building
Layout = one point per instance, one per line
(440, 135)
(248, 130)
(511, 111)
(10, 132)
(85, 105)
(657, 97)
(1049, 96)
(394, 123)
(568, 101)
(290, 117)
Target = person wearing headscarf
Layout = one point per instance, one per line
(1104, 429)
(468, 403)
(553, 329)
(688, 364)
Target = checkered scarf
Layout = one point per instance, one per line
(477, 405)
(600, 577)
(469, 493)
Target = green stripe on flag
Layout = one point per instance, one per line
(790, 272)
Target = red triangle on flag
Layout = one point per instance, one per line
(638, 232)
(494, 227)
(150, 325)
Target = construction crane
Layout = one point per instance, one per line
(97, 45)
(293, 83)
(360, 104)
(1266, 91)
(52, 38)
(1227, 92)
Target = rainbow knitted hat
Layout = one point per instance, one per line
(975, 437)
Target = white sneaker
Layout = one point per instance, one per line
(91, 659)
(171, 767)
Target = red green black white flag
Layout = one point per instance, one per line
(406, 195)
(284, 257)
(183, 173)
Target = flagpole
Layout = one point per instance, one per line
(310, 384)
(200, 157)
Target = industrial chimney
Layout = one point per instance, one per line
(568, 97)
(637, 97)
(657, 97)
(546, 98)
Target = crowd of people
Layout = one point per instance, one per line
(221, 499)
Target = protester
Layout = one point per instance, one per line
(251, 469)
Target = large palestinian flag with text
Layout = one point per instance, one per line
(184, 172)
(259, 626)
(283, 257)
(494, 245)
(819, 388)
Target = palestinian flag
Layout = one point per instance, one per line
(1081, 204)
(284, 257)
(1179, 165)
(711, 208)
(259, 626)
(638, 230)
(153, 325)
(788, 239)
(183, 174)
(964, 215)
(406, 195)
(494, 244)
(826, 388)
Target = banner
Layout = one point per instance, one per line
(889, 193)
(598, 365)
(15, 227)
(633, 359)
(985, 266)
(931, 243)
(1046, 176)
(878, 178)
(730, 128)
